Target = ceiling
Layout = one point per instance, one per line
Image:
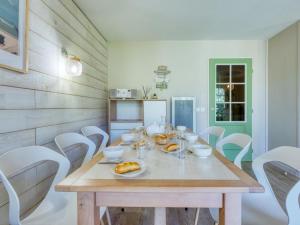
(146, 20)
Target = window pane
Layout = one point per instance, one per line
(223, 73)
(238, 112)
(238, 74)
(222, 93)
(238, 93)
(222, 112)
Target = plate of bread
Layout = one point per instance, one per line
(170, 148)
(161, 139)
(129, 169)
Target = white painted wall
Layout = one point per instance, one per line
(131, 65)
(283, 91)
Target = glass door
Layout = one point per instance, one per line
(230, 97)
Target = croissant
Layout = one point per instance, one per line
(127, 167)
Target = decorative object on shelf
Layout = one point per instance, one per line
(73, 65)
(154, 96)
(14, 35)
(161, 78)
(146, 91)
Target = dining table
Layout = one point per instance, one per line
(168, 181)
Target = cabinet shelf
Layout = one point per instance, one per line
(126, 114)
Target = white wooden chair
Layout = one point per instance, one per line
(263, 208)
(93, 130)
(68, 139)
(55, 208)
(213, 131)
(242, 140)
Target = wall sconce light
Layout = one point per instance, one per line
(73, 65)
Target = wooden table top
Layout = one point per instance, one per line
(164, 173)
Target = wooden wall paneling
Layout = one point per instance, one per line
(37, 106)
(13, 120)
(39, 81)
(45, 31)
(16, 139)
(54, 64)
(40, 8)
(84, 21)
(50, 100)
(46, 135)
(73, 22)
(16, 98)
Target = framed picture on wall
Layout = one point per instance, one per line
(14, 35)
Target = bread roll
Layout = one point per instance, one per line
(161, 139)
(171, 147)
(127, 167)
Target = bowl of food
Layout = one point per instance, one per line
(191, 138)
(128, 137)
(161, 139)
(113, 152)
(202, 151)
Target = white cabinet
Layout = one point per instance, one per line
(119, 128)
(154, 111)
(127, 114)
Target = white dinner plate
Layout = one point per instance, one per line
(134, 173)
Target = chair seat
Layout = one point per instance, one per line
(57, 209)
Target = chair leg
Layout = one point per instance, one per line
(101, 222)
(197, 216)
(108, 216)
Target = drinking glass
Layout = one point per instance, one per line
(181, 152)
(141, 152)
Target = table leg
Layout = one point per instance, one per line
(160, 216)
(231, 213)
(87, 211)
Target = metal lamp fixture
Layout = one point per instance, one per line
(73, 65)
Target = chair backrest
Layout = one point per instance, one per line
(241, 140)
(68, 139)
(14, 161)
(292, 204)
(214, 131)
(291, 157)
(93, 130)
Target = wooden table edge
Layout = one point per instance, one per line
(247, 183)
